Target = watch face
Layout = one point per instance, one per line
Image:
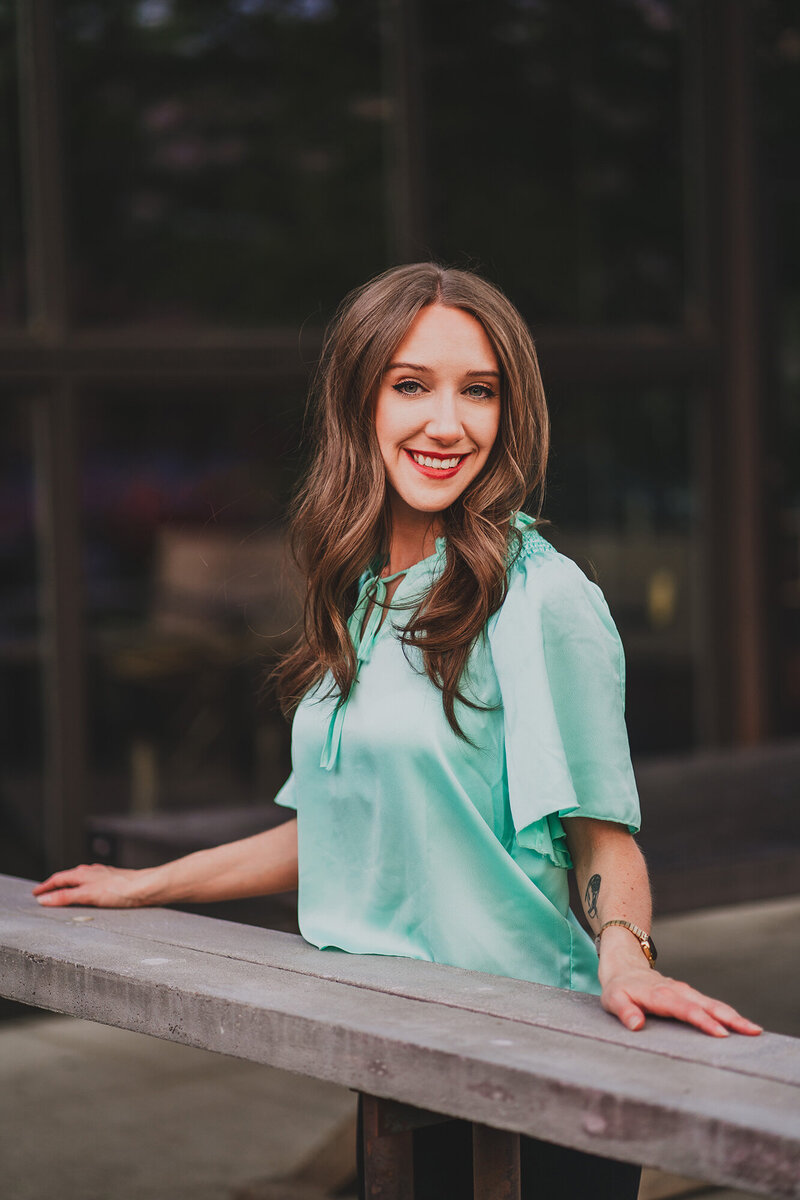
(649, 947)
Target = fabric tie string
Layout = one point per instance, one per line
(372, 588)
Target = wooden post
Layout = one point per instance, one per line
(495, 1163)
(734, 695)
(388, 1157)
(406, 177)
(56, 441)
(57, 457)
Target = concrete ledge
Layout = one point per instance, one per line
(502, 1052)
(705, 844)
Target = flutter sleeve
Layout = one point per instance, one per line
(560, 666)
(286, 795)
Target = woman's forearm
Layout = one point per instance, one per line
(611, 875)
(253, 866)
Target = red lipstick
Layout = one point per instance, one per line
(437, 472)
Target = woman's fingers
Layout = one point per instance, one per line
(733, 1019)
(621, 1005)
(67, 895)
(687, 1004)
(714, 1016)
(61, 879)
(64, 888)
(89, 883)
(670, 999)
(631, 996)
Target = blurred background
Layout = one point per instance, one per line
(187, 188)
(186, 191)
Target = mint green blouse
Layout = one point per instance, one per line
(412, 842)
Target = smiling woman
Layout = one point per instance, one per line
(349, 511)
(457, 691)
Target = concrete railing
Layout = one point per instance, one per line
(419, 1041)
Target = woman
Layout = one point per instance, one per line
(459, 737)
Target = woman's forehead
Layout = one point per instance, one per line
(441, 336)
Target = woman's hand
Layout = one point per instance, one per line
(631, 991)
(254, 866)
(94, 884)
(612, 878)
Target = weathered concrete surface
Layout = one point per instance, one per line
(475, 1046)
(703, 846)
(746, 955)
(530, 1004)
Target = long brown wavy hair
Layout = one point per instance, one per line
(340, 517)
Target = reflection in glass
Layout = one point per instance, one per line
(225, 159)
(12, 264)
(554, 152)
(621, 498)
(189, 597)
(21, 741)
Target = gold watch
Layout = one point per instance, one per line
(644, 939)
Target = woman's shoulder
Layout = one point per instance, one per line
(531, 554)
(553, 610)
(542, 578)
(525, 541)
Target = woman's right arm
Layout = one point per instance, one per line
(253, 866)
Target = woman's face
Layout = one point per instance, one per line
(438, 400)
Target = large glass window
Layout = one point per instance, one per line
(224, 158)
(190, 597)
(554, 153)
(12, 262)
(232, 165)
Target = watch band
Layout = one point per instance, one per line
(643, 938)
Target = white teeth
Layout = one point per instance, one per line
(443, 464)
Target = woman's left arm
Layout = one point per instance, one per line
(612, 878)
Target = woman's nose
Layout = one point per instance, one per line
(445, 421)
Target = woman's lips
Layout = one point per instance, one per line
(437, 472)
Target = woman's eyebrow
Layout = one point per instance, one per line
(420, 369)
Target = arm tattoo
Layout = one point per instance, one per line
(592, 892)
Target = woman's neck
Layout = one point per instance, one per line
(412, 540)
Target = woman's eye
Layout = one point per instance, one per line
(480, 391)
(408, 387)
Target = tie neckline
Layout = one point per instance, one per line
(372, 587)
